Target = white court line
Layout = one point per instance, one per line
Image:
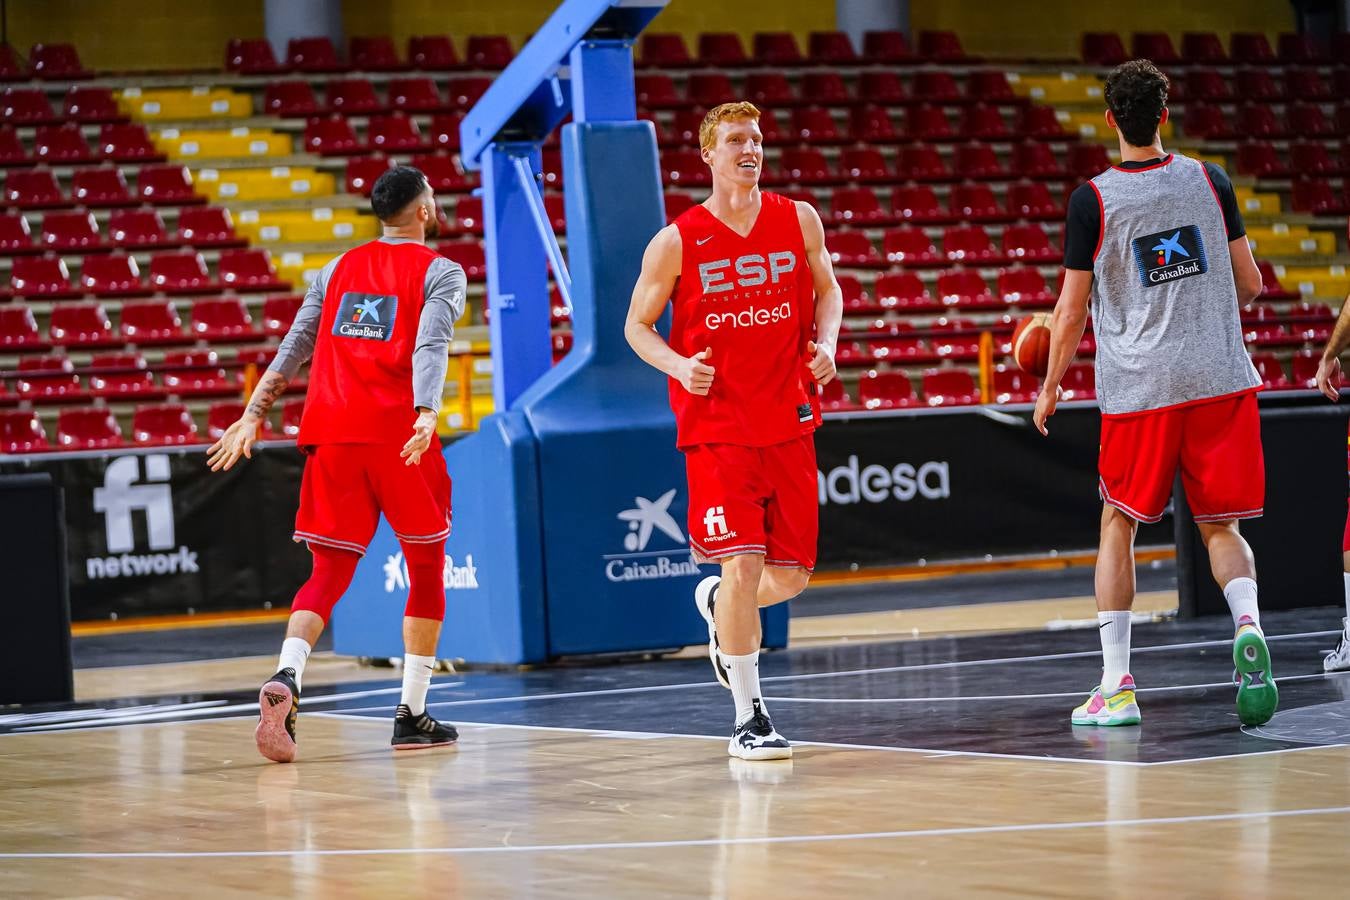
(100, 712)
(177, 711)
(701, 842)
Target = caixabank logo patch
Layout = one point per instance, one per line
(1168, 255)
(368, 317)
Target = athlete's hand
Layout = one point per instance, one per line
(1329, 377)
(237, 441)
(821, 363)
(696, 375)
(424, 430)
(1045, 408)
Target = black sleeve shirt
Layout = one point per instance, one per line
(1083, 225)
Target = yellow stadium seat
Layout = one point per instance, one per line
(185, 103)
(223, 144)
(301, 226)
(300, 268)
(1092, 125)
(1066, 87)
(1250, 201)
(1315, 281)
(276, 183)
(1290, 240)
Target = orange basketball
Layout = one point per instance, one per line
(1031, 344)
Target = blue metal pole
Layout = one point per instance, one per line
(530, 187)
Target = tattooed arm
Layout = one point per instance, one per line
(238, 439)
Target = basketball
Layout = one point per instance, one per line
(1031, 344)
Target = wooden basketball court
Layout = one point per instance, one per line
(934, 767)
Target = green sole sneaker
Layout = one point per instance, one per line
(1257, 695)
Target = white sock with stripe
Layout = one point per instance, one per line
(743, 672)
(294, 655)
(416, 680)
(1114, 626)
(1241, 596)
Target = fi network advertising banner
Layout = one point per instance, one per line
(155, 532)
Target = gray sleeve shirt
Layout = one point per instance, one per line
(443, 293)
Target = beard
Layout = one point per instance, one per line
(433, 226)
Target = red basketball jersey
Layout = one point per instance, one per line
(751, 299)
(360, 379)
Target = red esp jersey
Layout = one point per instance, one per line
(752, 300)
(360, 379)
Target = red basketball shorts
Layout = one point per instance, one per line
(754, 500)
(347, 486)
(1216, 445)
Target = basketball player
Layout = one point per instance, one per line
(751, 281)
(1328, 382)
(1159, 247)
(377, 323)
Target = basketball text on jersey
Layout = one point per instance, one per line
(1168, 255)
(368, 317)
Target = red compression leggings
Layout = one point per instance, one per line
(333, 571)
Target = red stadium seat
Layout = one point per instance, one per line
(100, 187)
(432, 53)
(721, 50)
(921, 162)
(814, 125)
(1306, 84)
(1208, 85)
(905, 292)
(33, 189)
(969, 244)
(1012, 385)
(374, 54)
(872, 125)
(980, 162)
(221, 414)
(465, 92)
(313, 54)
(949, 387)
(207, 226)
(1103, 48)
(12, 151)
(249, 270)
(80, 325)
(445, 131)
(442, 173)
(882, 87)
(161, 424)
(164, 185)
(856, 297)
(1271, 372)
(955, 338)
(975, 203)
(910, 247)
(1260, 159)
(983, 123)
(1029, 244)
(1311, 322)
(941, 46)
(1207, 122)
(40, 277)
(1039, 123)
(804, 166)
(1302, 48)
(18, 329)
(830, 48)
(886, 390)
(1256, 85)
(708, 89)
(856, 206)
(776, 48)
(929, 123)
(1024, 288)
(770, 89)
(15, 235)
(181, 272)
(1258, 122)
(251, 56)
(834, 397)
(657, 92)
(353, 97)
(865, 165)
(139, 228)
(363, 170)
(665, 50)
(1312, 158)
(87, 428)
(1312, 195)
(1156, 46)
(676, 203)
(852, 248)
(1203, 47)
(469, 214)
(989, 86)
(111, 275)
(937, 87)
(394, 133)
(48, 379)
(886, 48)
(26, 106)
(1087, 160)
(127, 143)
(685, 167)
(825, 88)
(21, 432)
(291, 411)
(918, 205)
(70, 231)
(290, 98)
(151, 322)
(196, 373)
(331, 136)
(415, 95)
(1305, 364)
(11, 67)
(965, 288)
(222, 319)
(134, 379)
(55, 145)
(469, 254)
(1079, 382)
(488, 51)
(772, 128)
(278, 313)
(1308, 120)
(1036, 160)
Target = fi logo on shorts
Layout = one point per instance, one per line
(369, 317)
(1169, 255)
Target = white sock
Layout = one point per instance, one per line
(294, 655)
(1114, 627)
(743, 671)
(416, 679)
(1241, 596)
(1346, 575)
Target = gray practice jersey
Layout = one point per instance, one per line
(1164, 302)
(443, 305)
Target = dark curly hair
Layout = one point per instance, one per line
(394, 190)
(1136, 93)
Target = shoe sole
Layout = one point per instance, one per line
(712, 644)
(1107, 722)
(273, 741)
(422, 746)
(759, 754)
(1256, 704)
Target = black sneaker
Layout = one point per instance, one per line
(706, 600)
(755, 738)
(278, 706)
(414, 732)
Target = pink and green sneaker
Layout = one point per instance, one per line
(1115, 708)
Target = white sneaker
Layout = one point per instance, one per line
(756, 738)
(1338, 660)
(703, 599)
